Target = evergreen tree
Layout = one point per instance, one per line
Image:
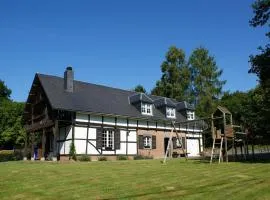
(206, 86)
(174, 82)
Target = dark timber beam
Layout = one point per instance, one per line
(43, 144)
(55, 136)
(25, 147)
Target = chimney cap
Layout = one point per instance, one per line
(69, 68)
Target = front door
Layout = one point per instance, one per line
(166, 142)
(193, 148)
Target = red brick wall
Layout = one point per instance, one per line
(159, 151)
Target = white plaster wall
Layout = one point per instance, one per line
(132, 148)
(91, 149)
(107, 152)
(92, 133)
(80, 146)
(69, 134)
(122, 149)
(81, 117)
(61, 147)
(67, 146)
(123, 135)
(80, 132)
(132, 136)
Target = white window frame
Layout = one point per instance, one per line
(108, 139)
(146, 109)
(147, 142)
(170, 112)
(190, 115)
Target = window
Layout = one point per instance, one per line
(178, 144)
(190, 115)
(170, 112)
(146, 109)
(108, 139)
(147, 140)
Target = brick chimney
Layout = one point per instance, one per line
(68, 79)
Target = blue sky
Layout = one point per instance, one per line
(122, 43)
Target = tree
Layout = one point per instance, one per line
(205, 81)
(260, 64)
(4, 91)
(139, 88)
(12, 132)
(174, 82)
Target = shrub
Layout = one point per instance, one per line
(122, 158)
(10, 155)
(72, 151)
(141, 157)
(84, 158)
(102, 158)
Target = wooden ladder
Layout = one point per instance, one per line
(214, 148)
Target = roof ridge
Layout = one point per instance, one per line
(84, 82)
(109, 87)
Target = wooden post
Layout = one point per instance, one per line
(43, 141)
(25, 147)
(55, 135)
(32, 146)
(225, 137)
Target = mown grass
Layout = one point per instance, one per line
(142, 179)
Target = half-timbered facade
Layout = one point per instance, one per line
(103, 121)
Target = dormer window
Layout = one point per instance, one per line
(146, 109)
(170, 112)
(190, 115)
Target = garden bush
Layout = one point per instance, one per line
(84, 158)
(102, 158)
(122, 158)
(141, 157)
(10, 155)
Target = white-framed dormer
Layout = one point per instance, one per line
(170, 112)
(190, 115)
(146, 108)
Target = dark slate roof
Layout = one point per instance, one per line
(98, 99)
(141, 97)
(184, 106)
(163, 101)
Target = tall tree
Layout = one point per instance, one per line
(206, 83)
(260, 64)
(174, 82)
(139, 88)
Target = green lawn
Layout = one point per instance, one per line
(145, 179)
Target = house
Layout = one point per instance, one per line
(103, 121)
